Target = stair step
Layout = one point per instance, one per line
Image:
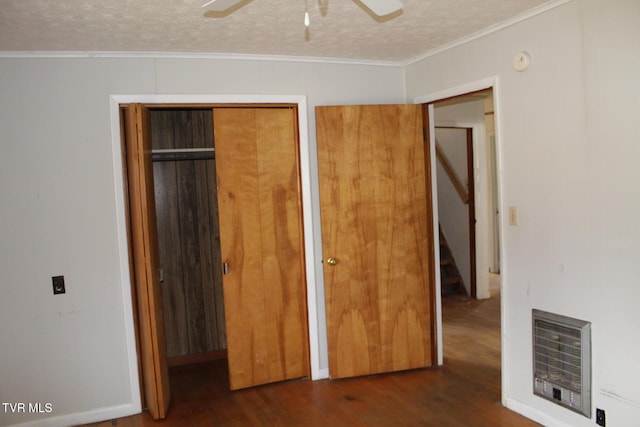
(449, 281)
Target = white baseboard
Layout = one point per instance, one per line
(533, 414)
(83, 417)
(483, 295)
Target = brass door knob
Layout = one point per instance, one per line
(332, 261)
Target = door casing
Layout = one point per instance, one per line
(311, 272)
(440, 95)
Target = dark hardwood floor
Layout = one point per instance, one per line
(463, 392)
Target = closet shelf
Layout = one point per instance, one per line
(173, 154)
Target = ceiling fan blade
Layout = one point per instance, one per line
(383, 7)
(220, 5)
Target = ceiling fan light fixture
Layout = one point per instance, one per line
(380, 8)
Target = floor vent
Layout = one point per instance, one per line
(562, 360)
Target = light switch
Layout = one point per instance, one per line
(513, 215)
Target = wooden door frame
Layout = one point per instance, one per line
(429, 99)
(309, 217)
(472, 210)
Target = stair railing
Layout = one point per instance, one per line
(461, 189)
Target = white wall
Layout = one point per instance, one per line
(58, 211)
(569, 147)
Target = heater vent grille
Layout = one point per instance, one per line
(562, 360)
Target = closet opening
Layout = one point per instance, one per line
(186, 202)
(216, 247)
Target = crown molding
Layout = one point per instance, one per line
(195, 55)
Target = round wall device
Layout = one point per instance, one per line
(521, 61)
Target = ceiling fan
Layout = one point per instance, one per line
(378, 7)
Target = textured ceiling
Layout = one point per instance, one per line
(260, 27)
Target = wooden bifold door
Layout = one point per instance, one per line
(262, 244)
(144, 260)
(261, 248)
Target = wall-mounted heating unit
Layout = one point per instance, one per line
(562, 360)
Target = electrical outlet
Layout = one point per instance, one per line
(601, 420)
(58, 285)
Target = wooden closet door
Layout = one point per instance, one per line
(262, 244)
(377, 238)
(144, 242)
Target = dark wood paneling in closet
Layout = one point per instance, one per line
(188, 234)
